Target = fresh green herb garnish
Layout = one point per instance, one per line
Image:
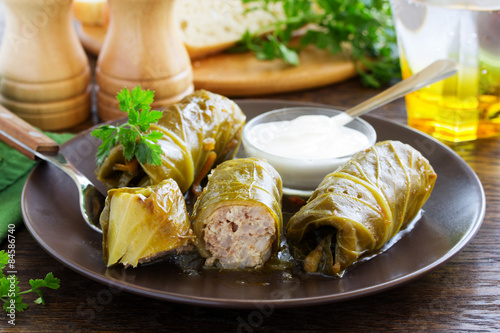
(362, 29)
(9, 289)
(131, 135)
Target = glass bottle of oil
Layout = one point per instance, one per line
(465, 106)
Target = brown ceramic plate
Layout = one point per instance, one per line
(451, 218)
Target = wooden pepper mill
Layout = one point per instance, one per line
(44, 71)
(142, 47)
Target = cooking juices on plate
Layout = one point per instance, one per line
(238, 220)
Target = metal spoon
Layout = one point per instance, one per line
(34, 144)
(437, 71)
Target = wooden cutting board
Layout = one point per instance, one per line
(236, 75)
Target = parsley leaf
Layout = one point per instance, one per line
(48, 282)
(132, 135)
(4, 260)
(10, 292)
(361, 29)
(4, 286)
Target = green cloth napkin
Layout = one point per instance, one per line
(14, 169)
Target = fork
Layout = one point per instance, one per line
(35, 145)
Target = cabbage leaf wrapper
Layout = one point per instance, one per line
(359, 207)
(143, 224)
(202, 130)
(237, 219)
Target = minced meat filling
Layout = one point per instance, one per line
(240, 236)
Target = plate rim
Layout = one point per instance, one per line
(277, 303)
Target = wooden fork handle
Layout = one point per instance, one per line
(20, 130)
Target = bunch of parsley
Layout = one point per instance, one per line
(11, 295)
(361, 29)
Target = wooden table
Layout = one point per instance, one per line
(463, 295)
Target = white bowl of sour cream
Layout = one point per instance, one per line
(304, 144)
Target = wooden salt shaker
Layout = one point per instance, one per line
(142, 47)
(45, 74)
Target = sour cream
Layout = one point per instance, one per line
(304, 150)
(307, 137)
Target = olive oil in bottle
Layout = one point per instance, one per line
(465, 106)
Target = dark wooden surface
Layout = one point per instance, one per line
(461, 296)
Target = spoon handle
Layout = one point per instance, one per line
(437, 71)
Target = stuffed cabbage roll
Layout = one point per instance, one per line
(359, 207)
(237, 218)
(202, 130)
(141, 224)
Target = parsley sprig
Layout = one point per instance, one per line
(131, 135)
(9, 289)
(362, 29)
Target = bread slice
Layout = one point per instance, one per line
(91, 12)
(208, 27)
